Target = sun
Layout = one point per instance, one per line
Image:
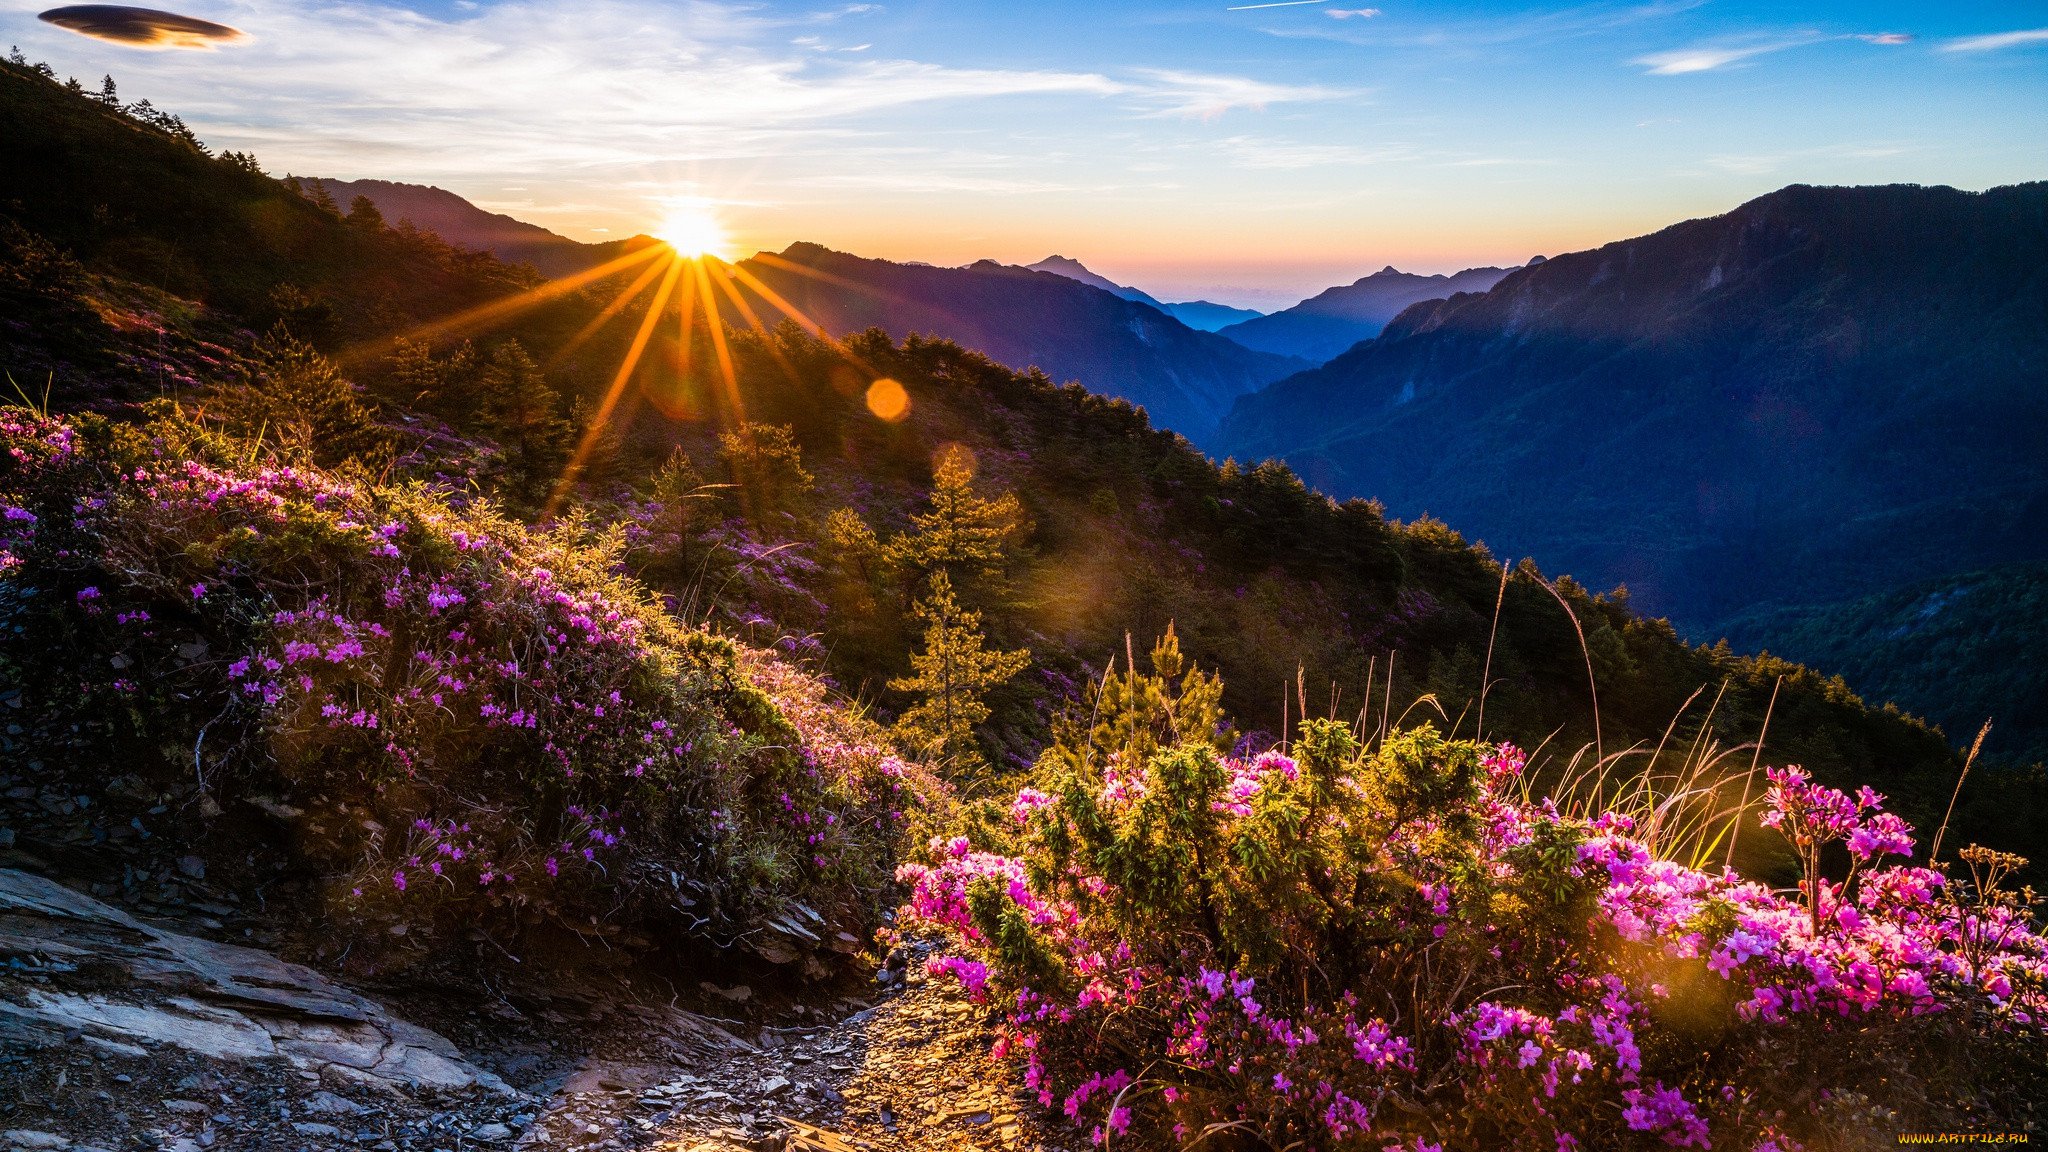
(693, 231)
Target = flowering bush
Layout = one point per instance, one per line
(1342, 947)
(468, 713)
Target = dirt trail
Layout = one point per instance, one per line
(119, 1033)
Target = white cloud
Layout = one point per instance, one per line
(1997, 40)
(554, 86)
(1203, 96)
(1708, 57)
(1352, 13)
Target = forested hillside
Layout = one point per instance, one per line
(511, 642)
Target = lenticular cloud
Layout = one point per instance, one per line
(141, 27)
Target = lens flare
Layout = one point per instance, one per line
(888, 400)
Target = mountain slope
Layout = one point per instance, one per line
(1957, 650)
(788, 530)
(124, 197)
(1185, 379)
(465, 225)
(1326, 324)
(1201, 315)
(1825, 393)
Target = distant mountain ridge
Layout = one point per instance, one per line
(463, 224)
(1201, 315)
(1823, 394)
(1185, 379)
(1325, 325)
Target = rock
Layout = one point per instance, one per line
(491, 1133)
(221, 1000)
(738, 993)
(327, 1103)
(185, 1107)
(310, 1128)
(28, 1138)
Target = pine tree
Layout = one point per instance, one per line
(1136, 714)
(953, 676)
(522, 413)
(680, 490)
(767, 469)
(363, 213)
(109, 95)
(852, 545)
(964, 533)
(300, 400)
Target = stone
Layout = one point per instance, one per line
(492, 1132)
(220, 1000)
(29, 1138)
(313, 1128)
(185, 1107)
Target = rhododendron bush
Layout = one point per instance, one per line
(469, 717)
(1332, 946)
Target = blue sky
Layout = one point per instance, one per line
(1252, 156)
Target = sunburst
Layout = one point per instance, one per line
(685, 275)
(695, 231)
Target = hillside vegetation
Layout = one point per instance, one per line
(1959, 650)
(467, 642)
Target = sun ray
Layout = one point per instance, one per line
(508, 305)
(754, 321)
(577, 462)
(718, 346)
(781, 305)
(611, 310)
(774, 261)
(678, 408)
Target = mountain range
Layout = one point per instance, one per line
(1069, 323)
(1823, 394)
(1327, 324)
(1184, 378)
(1820, 400)
(1198, 314)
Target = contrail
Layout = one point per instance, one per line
(1277, 4)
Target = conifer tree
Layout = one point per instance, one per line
(300, 400)
(964, 534)
(767, 469)
(953, 676)
(521, 411)
(1139, 714)
(853, 545)
(109, 94)
(363, 213)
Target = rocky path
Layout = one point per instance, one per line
(119, 1034)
